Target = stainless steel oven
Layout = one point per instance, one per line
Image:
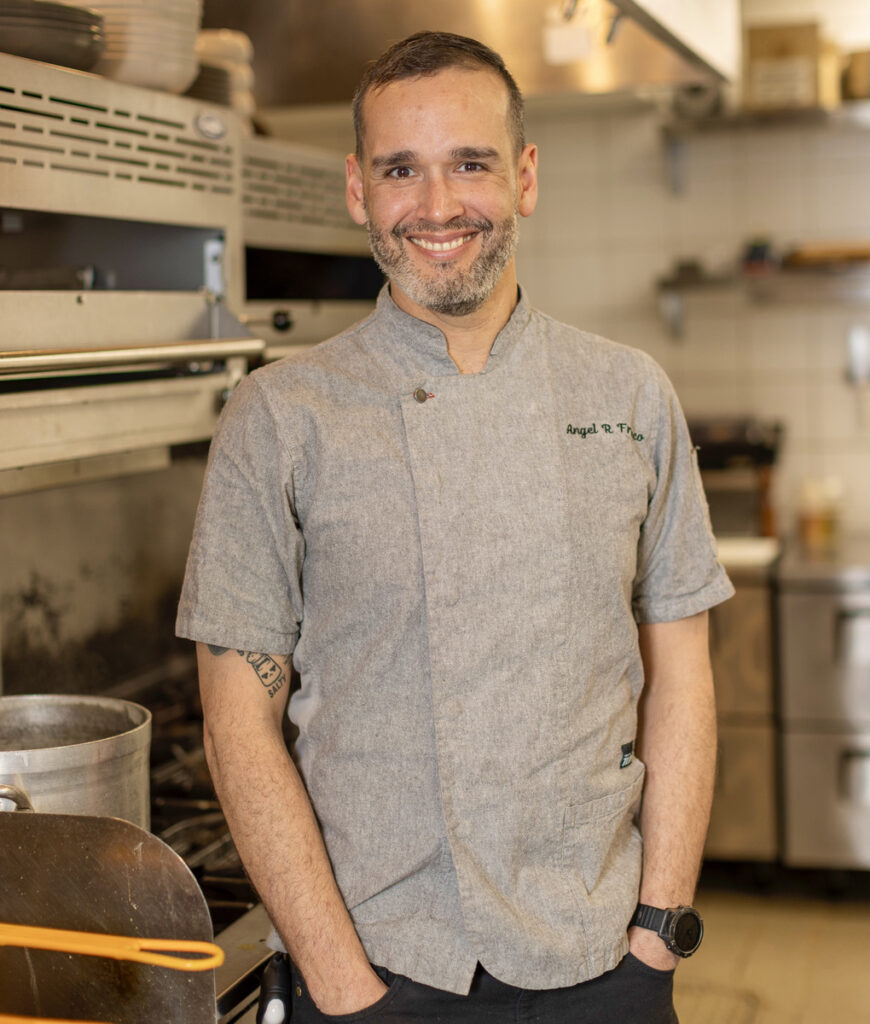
(150, 252)
(308, 269)
(120, 259)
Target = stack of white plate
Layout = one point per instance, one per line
(150, 43)
(212, 84)
(226, 74)
(52, 32)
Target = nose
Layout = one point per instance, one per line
(439, 201)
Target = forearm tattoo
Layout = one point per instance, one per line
(270, 673)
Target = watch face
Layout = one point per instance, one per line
(688, 930)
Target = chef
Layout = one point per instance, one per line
(479, 536)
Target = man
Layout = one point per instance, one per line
(481, 538)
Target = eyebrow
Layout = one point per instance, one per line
(475, 153)
(408, 156)
(403, 156)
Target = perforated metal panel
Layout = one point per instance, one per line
(79, 143)
(293, 197)
(67, 135)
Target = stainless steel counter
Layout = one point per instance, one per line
(743, 824)
(845, 567)
(748, 557)
(823, 608)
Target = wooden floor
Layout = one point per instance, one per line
(781, 953)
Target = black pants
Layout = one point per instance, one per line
(631, 993)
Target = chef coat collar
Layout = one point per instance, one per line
(422, 347)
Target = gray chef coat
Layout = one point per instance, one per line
(458, 563)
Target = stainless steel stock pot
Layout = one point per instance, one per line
(76, 755)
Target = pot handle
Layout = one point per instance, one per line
(18, 797)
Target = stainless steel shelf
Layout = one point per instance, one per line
(843, 284)
(853, 114)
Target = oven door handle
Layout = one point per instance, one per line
(852, 633)
(855, 777)
(181, 352)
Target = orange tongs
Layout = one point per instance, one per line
(159, 952)
(14, 1018)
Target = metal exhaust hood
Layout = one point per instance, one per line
(313, 53)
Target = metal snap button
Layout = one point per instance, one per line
(421, 395)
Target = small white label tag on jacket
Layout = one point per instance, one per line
(627, 754)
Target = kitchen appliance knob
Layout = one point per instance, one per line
(282, 320)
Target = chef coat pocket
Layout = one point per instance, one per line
(601, 842)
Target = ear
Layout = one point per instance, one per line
(527, 180)
(356, 206)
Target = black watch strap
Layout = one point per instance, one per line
(646, 916)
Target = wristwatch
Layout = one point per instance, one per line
(681, 928)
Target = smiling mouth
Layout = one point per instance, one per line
(424, 243)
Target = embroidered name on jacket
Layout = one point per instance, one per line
(605, 428)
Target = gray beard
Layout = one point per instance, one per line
(447, 290)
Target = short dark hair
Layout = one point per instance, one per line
(427, 53)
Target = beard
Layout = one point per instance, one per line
(446, 288)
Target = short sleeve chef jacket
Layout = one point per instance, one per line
(458, 563)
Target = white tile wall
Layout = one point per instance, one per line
(608, 224)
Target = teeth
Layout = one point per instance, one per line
(440, 246)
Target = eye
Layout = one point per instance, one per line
(471, 165)
(399, 172)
